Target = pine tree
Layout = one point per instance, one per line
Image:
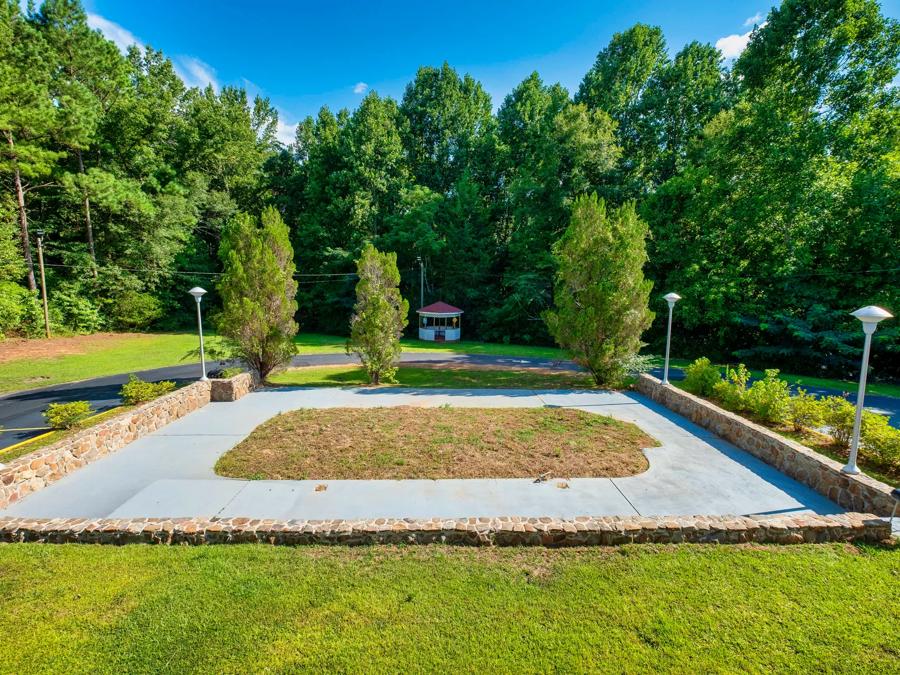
(380, 314)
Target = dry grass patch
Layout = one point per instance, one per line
(409, 442)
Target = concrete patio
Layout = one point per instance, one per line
(170, 473)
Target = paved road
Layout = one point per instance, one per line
(20, 412)
(170, 473)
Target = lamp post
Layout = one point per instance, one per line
(40, 243)
(198, 293)
(870, 316)
(670, 298)
(421, 281)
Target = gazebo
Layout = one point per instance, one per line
(440, 322)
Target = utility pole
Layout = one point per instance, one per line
(421, 281)
(40, 243)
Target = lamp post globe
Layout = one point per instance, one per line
(198, 294)
(870, 316)
(671, 299)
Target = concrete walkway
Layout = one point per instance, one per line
(170, 473)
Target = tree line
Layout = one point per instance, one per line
(769, 186)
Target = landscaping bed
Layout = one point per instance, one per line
(443, 376)
(413, 442)
(246, 608)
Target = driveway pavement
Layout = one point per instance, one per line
(170, 473)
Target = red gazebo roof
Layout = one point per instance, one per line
(439, 308)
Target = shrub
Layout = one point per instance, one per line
(20, 311)
(731, 391)
(135, 310)
(701, 377)
(137, 391)
(769, 398)
(806, 411)
(231, 372)
(839, 415)
(67, 415)
(75, 312)
(880, 441)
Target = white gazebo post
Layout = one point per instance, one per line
(870, 316)
(198, 293)
(670, 298)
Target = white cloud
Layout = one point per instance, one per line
(123, 37)
(285, 132)
(731, 46)
(360, 88)
(753, 20)
(195, 73)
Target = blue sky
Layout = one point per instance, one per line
(303, 55)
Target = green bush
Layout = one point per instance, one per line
(839, 415)
(806, 411)
(20, 311)
(137, 391)
(769, 398)
(701, 377)
(232, 371)
(74, 311)
(879, 440)
(67, 415)
(135, 310)
(732, 391)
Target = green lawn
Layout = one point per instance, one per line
(248, 608)
(131, 353)
(408, 376)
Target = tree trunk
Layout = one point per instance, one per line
(23, 218)
(88, 228)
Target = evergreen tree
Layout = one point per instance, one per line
(258, 291)
(379, 316)
(601, 295)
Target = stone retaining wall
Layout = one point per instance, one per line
(511, 531)
(233, 388)
(38, 469)
(822, 474)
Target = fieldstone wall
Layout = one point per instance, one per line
(508, 531)
(822, 474)
(233, 388)
(38, 469)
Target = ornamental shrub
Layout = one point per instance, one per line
(732, 391)
(67, 415)
(879, 440)
(839, 415)
(137, 391)
(701, 377)
(806, 411)
(769, 398)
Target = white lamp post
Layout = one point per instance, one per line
(670, 298)
(198, 293)
(870, 316)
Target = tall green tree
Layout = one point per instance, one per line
(27, 114)
(258, 291)
(615, 84)
(446, 117)
(379, 316)
(600, 293)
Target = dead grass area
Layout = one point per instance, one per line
(14, 349)
(411, 442)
